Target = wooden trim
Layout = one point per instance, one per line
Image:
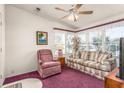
(111, 22)
(55, 28)
(103, 24)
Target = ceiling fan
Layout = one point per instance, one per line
(73, 12)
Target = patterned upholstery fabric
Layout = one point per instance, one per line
(78, 60)
(49, 64)
(77, 54)
(69, 59)
(84, 55)
(85, 63)
(45, 55)
(92, 66)
(93, 56)
(102, 57)
(105, 67)
(46, 65)
(108, 61)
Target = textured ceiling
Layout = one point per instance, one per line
(101, 12)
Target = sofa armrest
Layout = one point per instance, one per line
(109, 61)
(70, 56)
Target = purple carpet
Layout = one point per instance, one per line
(69, 78)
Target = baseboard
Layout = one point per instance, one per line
(1, 82)
(21, 74)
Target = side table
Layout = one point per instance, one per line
(62, 60)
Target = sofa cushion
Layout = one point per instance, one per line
(85, 63)
(94, 65)
(84, 55)
(93, 55)
(49, 64)
(78, 60)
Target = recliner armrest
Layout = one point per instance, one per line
(40, 61)
(55, 60)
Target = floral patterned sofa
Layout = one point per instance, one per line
(97, 64)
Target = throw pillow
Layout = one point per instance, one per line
(86, 55)
(82, 54)
(77, 55)
(102, 57)
(93, 56)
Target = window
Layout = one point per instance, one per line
(95, 41)
(112, 39)
(59, 42)
(105, 40)
(82, 36)
(69, 42)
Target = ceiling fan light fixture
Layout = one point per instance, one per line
(73, 16)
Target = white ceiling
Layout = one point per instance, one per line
(101, 12)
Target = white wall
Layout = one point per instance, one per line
(21, 48)
(2, 36)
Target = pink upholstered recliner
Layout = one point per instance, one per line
(47, 66)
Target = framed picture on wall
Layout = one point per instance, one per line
(42, 38)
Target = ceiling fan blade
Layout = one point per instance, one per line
(65, 16)
(77, 6)
(57, 8)
(85, 12)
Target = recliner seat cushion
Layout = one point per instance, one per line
(49, 64)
